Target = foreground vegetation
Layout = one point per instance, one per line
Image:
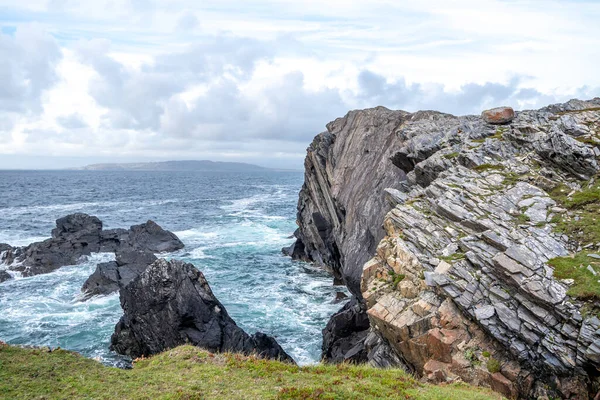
(191, 373)
(581, 223)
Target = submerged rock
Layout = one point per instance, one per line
(170, 304)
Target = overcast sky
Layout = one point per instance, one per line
(85, 81)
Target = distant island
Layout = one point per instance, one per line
(188, 165)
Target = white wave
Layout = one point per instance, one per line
(19, 240)
(57, 207)
(196, 234)
(198, 253)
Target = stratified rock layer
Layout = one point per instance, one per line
(170, 304)
(460, 287)
(341, 205)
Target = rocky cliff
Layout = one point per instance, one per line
(486, 267)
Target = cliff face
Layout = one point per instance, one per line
(341, 203)
(487, 269)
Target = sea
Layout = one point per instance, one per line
(233, 225)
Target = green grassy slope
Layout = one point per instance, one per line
(191, 373)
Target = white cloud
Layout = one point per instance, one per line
(256, 80)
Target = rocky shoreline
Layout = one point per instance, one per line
(468, 244)
(166, 303)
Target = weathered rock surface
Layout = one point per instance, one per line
(462, 274)
(341, 207)
(498, 115)
(150, 236)
(110, 276)
(79, 235)
(170, 304)
(345, 333)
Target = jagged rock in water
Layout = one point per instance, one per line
(110, 276)
(150, 236)
(461, 275)
(78, 235)
(4, 251)
(4, 276)
(170, 304)
(498, 115)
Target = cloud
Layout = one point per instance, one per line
(256, 81)
(187, 22)
(29, 60)
(72, 121)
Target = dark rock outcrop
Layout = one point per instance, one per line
(170, 304)
(79, 235)
(345, 333)
(4, 276)
(110, 276)
(462, 272)
(150, 236)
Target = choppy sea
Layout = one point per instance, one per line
(233, 226)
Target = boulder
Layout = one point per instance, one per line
(79, 225)
(150, 236)
(170, 304)
(498, 115)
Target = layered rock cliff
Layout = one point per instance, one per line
(486, 268)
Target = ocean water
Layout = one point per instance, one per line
(233, 226)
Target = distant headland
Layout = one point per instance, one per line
(187, 165)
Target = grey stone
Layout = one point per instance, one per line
(484, 312)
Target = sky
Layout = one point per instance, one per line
(254, 81)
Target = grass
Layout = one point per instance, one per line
(523, 218)
(488, 167)
(588, 140)
(452, 155)
(583, 224)
(510, 178)
(453, 257)
(574, 267)
(396, 278)
(187, 372)
(493, 365)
